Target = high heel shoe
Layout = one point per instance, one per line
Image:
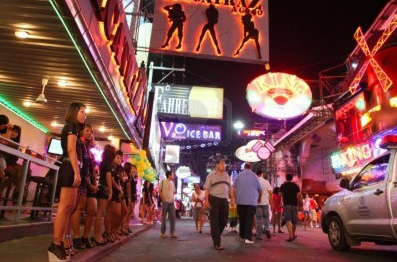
(57, 253)
(78, 243)
(87, 243)
(70, 250)
(97, 242)
(108, 237)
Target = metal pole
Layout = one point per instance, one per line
(54, 189)
(22, 189)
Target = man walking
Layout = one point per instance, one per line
(291, 195)
(167, 191)
(248, 195)
(217, 191)
(262, 210)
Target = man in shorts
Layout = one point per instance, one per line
(290, 193)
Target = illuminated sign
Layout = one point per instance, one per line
(193, 101)
(352, 156)
(114, 50)
(383, 78)
(254, 151)
(172, 130)
(251, 133)
(221, 29)
(279, 95)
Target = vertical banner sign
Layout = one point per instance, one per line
(236, 30)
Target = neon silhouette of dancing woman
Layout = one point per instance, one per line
(177, 17)
(212, 16)
(250, 32)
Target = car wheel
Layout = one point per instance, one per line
(336, 234)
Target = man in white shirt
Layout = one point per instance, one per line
(167, 191)
(262, 210)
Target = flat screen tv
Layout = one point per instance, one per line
(55, 147)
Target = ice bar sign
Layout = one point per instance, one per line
(171, 130)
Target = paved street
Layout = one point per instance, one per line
(311, 245)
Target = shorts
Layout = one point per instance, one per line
(198, 213)
(313, 213)
(66, 174)
(103, 192)
(306, 212)
(91, 194)
(291, 214)
(116, 196)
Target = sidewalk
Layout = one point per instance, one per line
(34, 249)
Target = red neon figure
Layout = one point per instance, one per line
(177, 17)
(250, 32)
(212, 16)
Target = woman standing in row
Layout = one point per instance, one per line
(69, 178)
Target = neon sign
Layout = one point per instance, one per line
(254, 151)
(123, 65)
(173, 130)
(212, 28)
(251, 133)
(352, 156)
(279, 95)
(383, 79)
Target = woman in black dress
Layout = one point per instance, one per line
(69, 178)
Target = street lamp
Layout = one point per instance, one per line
(238, 125)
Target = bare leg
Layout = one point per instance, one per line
(66, 205)
(89, 219)
(98, 220)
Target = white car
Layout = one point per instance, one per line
(366, 209)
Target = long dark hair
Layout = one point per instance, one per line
(71, 114)
(17, 129)
(109, 153)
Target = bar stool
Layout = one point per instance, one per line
(42, 195)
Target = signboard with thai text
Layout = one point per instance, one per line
(193, 101)
(217, 29)
(171, 130)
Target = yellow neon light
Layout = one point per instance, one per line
(383, 79)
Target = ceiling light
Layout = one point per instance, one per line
(102, 129)
(27, 103)
(110, 137)
(21, 34)
(87, 110)
(54, 124)
(62, 83)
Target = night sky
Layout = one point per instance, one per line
(306, 36)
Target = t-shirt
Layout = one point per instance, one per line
(247, 188)
(167, 187)
(104, 168)
(266, 187)
(199, 196)
(306, 204)
(68, 129)
(290, 191)
(218, 185)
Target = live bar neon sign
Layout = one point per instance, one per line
(111, 22)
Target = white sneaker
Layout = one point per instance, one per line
(249, 241)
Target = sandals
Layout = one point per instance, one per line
(219, 248)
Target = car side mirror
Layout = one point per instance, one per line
(344, 183)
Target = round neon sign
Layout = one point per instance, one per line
(279, 95)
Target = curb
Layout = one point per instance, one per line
(99, 252)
